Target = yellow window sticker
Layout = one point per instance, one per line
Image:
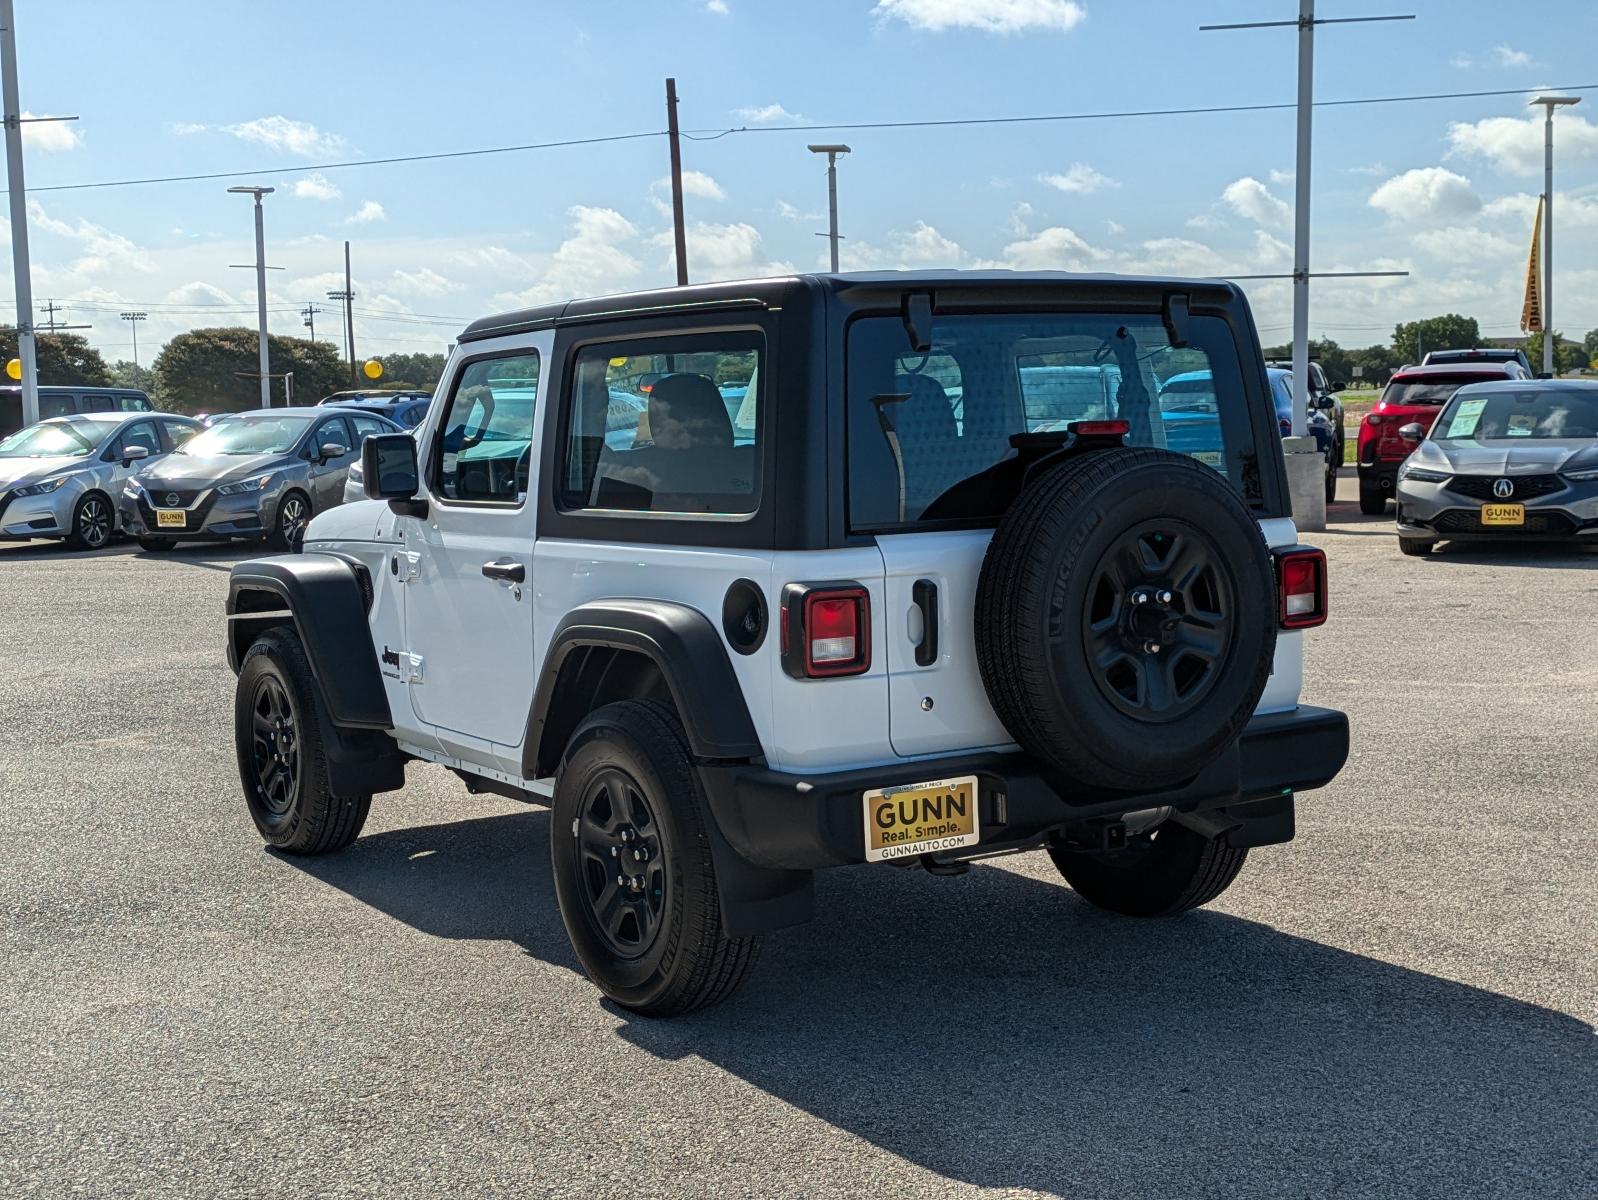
(1522, 424)
(1466, 417)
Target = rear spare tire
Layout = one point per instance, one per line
(1126, 618)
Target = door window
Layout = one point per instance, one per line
(133, 403)
(365, 427)
(483, 454)
(140, 433)
(332, 433)
(98, 404)
(671, 425)
(178, 432)
(56, 406)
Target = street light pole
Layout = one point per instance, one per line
(1549, 103)
(832, 153)
(133, 319)
(260, 286)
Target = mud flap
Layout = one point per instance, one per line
(754, 899)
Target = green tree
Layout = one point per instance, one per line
(1590, 343)
(1375, 363)
(63, 358)
(1568, 355)
(1412, 339)
(213, 370)
(1335, 361)
(131, 375)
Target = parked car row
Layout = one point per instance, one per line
(163, 477)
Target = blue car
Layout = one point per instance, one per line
(1318, 425)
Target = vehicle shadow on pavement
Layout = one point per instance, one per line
(996, 1030)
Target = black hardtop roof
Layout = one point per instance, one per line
(75, 387)
(776, 290)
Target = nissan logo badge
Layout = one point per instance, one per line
(173, 499)
(1503, 488)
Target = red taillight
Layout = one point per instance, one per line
(1301, 586)
(1374, 418)
(826, 630)
(1287, 427)
(1099, 429)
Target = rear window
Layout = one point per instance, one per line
(932, 436)
(1426, 391)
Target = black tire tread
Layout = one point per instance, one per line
(274, 537)
(1211, 871)
(328, 823)
(74, 539)
(1372, 501)
(1415, 547)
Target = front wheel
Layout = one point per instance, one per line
(92, 523)
(277, 734)
(293, 511)
(1372, 500)
(1158, 874)
(157, 545)
(630, 850)
(1331, 482)
(1415, 547)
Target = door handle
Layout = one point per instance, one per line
(924, 595)
(506, 570)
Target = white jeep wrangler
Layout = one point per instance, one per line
(753, 578)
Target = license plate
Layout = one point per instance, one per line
(920, 818)
(1503, 514)
(170, 518)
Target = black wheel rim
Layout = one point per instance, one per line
(94, 522)
(275, 748)
(292, 516)
(1159, 620)
(620, 864)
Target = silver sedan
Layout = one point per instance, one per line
(60, 478)
(1510, 460)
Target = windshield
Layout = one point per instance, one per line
(1521, 413)
(249, 435)
(65, 439)
(946, 433)
(1424, 391)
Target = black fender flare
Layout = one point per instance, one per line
(326, 599)
(691, 656)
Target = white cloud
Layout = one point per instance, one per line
(1462, 244)
(1205, 220)
(278, 133)
(1462, 62)
(790, 212)
(100, 251)
(924, 246)
(1270, 250)
(988, 16)
(1080, 179)
(694, 183)
(593, 261)
(1515, 144)
(1281, 177)
(733, 251)
(1174, 256)
(1426, 194)
(1374, 168)
(719, 7)
(767, 114)
(369, 211)
(1252, 199)
(1056, 248)
(1569, 210)
(1115, 227)
(425, 282)
(316, 186)
(1508, 56)
(49, 136)
(1016, 225)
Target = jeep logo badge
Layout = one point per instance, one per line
(1503, 488)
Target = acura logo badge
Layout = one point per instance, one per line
(173, 499)
(1503, 488)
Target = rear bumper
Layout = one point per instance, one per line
(782, 820)
(1380, 474)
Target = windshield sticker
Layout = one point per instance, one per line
(1522, 424)
(1466, 417)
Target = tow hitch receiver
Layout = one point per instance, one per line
(1095, 835)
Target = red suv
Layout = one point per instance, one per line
(1415, 395)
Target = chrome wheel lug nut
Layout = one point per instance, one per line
(615, 851)
(1165, 597)
(621, 881)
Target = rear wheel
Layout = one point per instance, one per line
(1331, 481)
(630, 849)
(1372, 500)
(1158, 874)
(92, 522)
(277, 735)
(1415, 547)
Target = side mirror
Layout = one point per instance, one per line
(389, 472)
(331, 450)
(132, 454)
(1413, 433)
(1325, 402)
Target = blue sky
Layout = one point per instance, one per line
(1441, 189)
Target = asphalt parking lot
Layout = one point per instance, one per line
(1399, 1003)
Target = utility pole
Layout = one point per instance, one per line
(1305, 25)
(50, 307)
(260, 287)
(309, 313)
(19, 213)
(832, 153)
(349, 310)
(678, 228)
(344, 299)
(1549, 103)
(133, 319)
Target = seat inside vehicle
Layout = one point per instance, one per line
(683, 458)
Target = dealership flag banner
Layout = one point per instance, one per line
(1531, 313)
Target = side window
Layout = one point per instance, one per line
(56, 406)
(365, 427)
(332, 433)
(483, 451)
(178, 432)
(666, 425)
(133, 403)
(92, 403)
(140, 433)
